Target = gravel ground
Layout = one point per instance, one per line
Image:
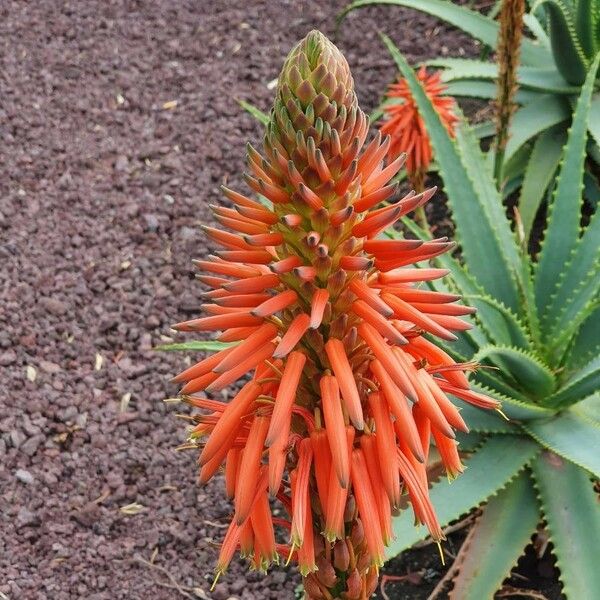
(118, 122)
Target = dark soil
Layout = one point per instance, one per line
(118, 122)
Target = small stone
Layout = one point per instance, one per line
(220, 592)
(49, 367)
(53, 305)
(26, 518)
(88, 514)
(17, 437)
(24, 476)
(7, 358)
(31, 446)
(151, 222)
(121, 164)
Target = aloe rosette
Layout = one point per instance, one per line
(536, 341)
(345, 390)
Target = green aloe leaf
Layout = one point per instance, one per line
(487, 90)
(526, 371)
(475, 24)
(577, 286)
(501, 324)
(570, 435)
(537, 29)
(570, 507)
(562, 232)
(258, 114)
(205, 346)
(586, 344)
(472, 197)
(535, 117)
(541, 168)
(500, 458)
(543, 80)
(577, 313)
(581, 384)
(594, 120)
(496, 541)
(584, 26)
(589, 408)
(566, 48)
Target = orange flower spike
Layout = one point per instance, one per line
(323, 315)
(300, 499)
(367, 507)
(345, 377)
(249, 468)
(282, 411)
(385, 440)
(404, 124)
(335, 427)
(230, 420)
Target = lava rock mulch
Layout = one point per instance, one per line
(118, 122)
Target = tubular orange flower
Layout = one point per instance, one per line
(405, 125)
(328, 320)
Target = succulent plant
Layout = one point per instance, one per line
(537, 346)
(345, 392)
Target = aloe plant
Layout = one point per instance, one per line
(536, 341)
(554, 62)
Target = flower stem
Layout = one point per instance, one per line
(509, 48)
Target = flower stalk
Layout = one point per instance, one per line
(509, 50)
(345, 392)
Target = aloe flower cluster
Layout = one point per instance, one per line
(345, 389)
(403, 123)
